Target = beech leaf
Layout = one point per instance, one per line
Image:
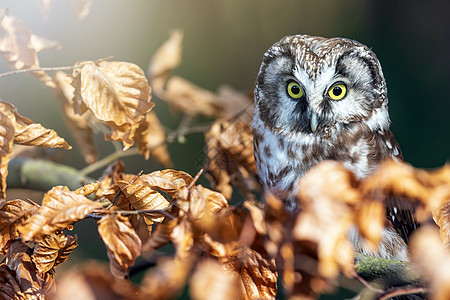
(12, 214)
(31, 134)
(115, 92)
(60, 208)
(142, 197)
(6, 143)
(52, 251)
(168, 180)
(18, 46)
(122, 243)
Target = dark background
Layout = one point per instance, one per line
(224, 43)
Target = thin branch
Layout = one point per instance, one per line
(367, 285)
(107, 160)
(30, 70)
(136, 212)
(403, 292)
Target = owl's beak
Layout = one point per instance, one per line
(314, 121)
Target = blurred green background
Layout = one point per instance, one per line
(224, 43)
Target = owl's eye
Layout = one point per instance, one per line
(294, 90)
(337, 91)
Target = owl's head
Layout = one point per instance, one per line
(312, 85)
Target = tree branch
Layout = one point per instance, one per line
(43, 175)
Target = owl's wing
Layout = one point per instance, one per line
(400, 212)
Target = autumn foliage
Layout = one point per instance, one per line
(220, 250)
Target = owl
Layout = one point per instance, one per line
(322, 99)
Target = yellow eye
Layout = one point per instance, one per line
(294, 90)
(337, 91)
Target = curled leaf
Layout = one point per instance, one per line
(12, 214)
(31, 134)
(168, 180)
(122, 243)
(151, 139)
(60, 208)
(52, 251)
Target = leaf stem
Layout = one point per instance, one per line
(107, 160)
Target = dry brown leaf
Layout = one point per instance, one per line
(6, 143)
(31, 134)
(60, 208)
(122, 243)
(115, 92)
(52, 251)
(142, 197)
(231, 157)
(433, 259)
(327, 215)
(211, 281)
(150, 139)
(18, 46)
(31, 283)
(81, 8)
(165, 59)
(13, 213)
(168, 180)
(190, 99)
(171, 274)
(78, 126)
(442, 219)
(108, 179)
(184, 95)
(88, 189)
(93, 281)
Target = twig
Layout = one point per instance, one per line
(15, 72)
(367, 285)
(196, 177)
(403, 292)
(136, 212)
(107, 160)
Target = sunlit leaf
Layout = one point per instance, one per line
(13, 213)
(171, 274)
(93, 281)
(60, 208)
(165, 59)
(78, 125)
(442, 218)
(88, 189)
(18, 46)
(211, 281)
(167, 180)
(31, 134)
(142, 197)
(52, 251)
(6, 143)
(428, 253)
(115, 92)
(150, 139)
(122, 243)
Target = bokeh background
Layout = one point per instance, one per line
(224, 43)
